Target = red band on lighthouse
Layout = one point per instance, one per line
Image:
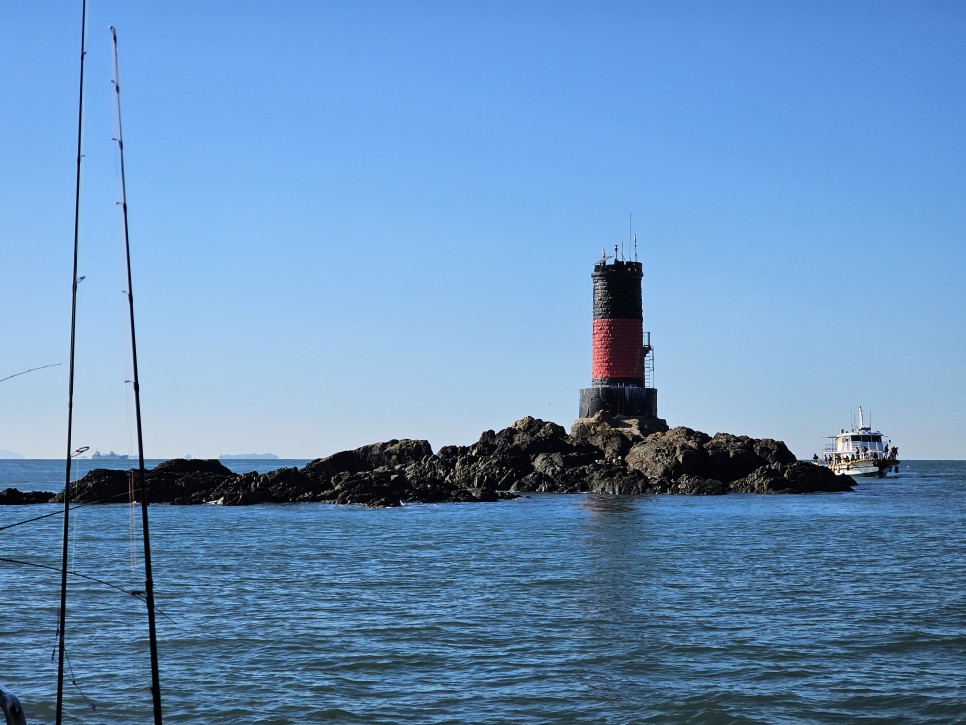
(618, 350)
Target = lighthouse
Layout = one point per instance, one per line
(622, 367)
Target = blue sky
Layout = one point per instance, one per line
(358, 221)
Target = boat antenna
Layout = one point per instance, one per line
(148, 579)
(70, 382)
(24, 372)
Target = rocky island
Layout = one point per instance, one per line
(603, 454)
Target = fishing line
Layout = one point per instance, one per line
(73, 679)
(109, 499)
(131, 523)
(38, 518)
(73, 547)
(24, 372)
(136, 593)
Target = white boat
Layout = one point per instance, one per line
(860, 452)
(111, 455)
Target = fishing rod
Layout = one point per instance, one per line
(62, 624)
(24, 372)
(148, 578)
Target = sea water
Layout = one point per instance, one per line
(826, 608)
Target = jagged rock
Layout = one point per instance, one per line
(166, 482)
(678, 452)
(182, 466)
(549, 464)
(16, 497)
(698, 486)
(371, 457)
(767, 479)
(181, 479)
(811, 478)
(528, 437)
(284, 485)
(613, 435)
(100, 485)
(612, 478)
(797, 477)
(606, 433)
(370, 488)
(731, 457)
(603, 454)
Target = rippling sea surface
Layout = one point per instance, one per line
(836, 608)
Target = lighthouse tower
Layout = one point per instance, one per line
(623, 361)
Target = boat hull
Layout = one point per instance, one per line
(865, 468)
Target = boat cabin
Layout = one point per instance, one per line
(863, 440)
(861, 443)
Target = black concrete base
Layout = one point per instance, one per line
(632, 401)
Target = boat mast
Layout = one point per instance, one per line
(70, 384)
(148, 579)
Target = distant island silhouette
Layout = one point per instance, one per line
(5, 454)
(237, 456)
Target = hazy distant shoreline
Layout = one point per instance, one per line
(247, 456)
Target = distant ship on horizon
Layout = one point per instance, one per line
(111, 455)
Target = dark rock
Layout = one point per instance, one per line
(604, 454)
(613, 435)
(731, 457)
(371, 457)
(678, 452)
(100, 485)
(168, 481)
(371, 488)
(697, 486)
(528, 437)
(283, 485)
(605, 433)
(614, 479)
(816, 479)
(798, 477)
(16, 497)
(185, 479)
(767, 479)
(183, 466)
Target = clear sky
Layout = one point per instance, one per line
(354, 221)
